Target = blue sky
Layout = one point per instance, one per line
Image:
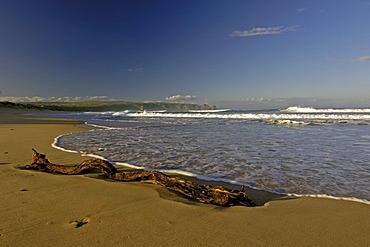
(225, 52)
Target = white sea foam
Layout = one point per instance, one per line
(97, 113)
(94, 156)
(101, 126)
(55, 144)
(300, 109)
(159, 111)
(290, 113)
(352, 199)
(252, 116)
(130, 165)
(120, 113)
(210, 111)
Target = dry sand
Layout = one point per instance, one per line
(40, 209)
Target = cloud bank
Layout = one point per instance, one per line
(361, 59)
(263, 31)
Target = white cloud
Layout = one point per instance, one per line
(253, 99)
(134, 69)
(302, 9)
(265, 100)
(65, 99)
(263, 31)
(180, 97)
(361, 59)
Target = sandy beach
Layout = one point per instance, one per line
(41, 209)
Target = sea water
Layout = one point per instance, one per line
(299, 151)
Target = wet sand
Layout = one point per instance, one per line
(40, 209)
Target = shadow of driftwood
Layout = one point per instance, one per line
(260, 197)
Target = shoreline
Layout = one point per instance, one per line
(139, 213)
(201, 179)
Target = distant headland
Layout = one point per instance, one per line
(100, 106)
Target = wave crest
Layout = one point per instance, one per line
(300, 109)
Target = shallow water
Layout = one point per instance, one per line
(328, 157)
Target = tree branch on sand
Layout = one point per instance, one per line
(217, 195)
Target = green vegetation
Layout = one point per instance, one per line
(99, 106)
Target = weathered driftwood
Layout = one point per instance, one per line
(217, 195)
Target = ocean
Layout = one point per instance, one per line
(297, 151)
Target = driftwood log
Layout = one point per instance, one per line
(217, 195)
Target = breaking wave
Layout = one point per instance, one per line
(300, 109)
